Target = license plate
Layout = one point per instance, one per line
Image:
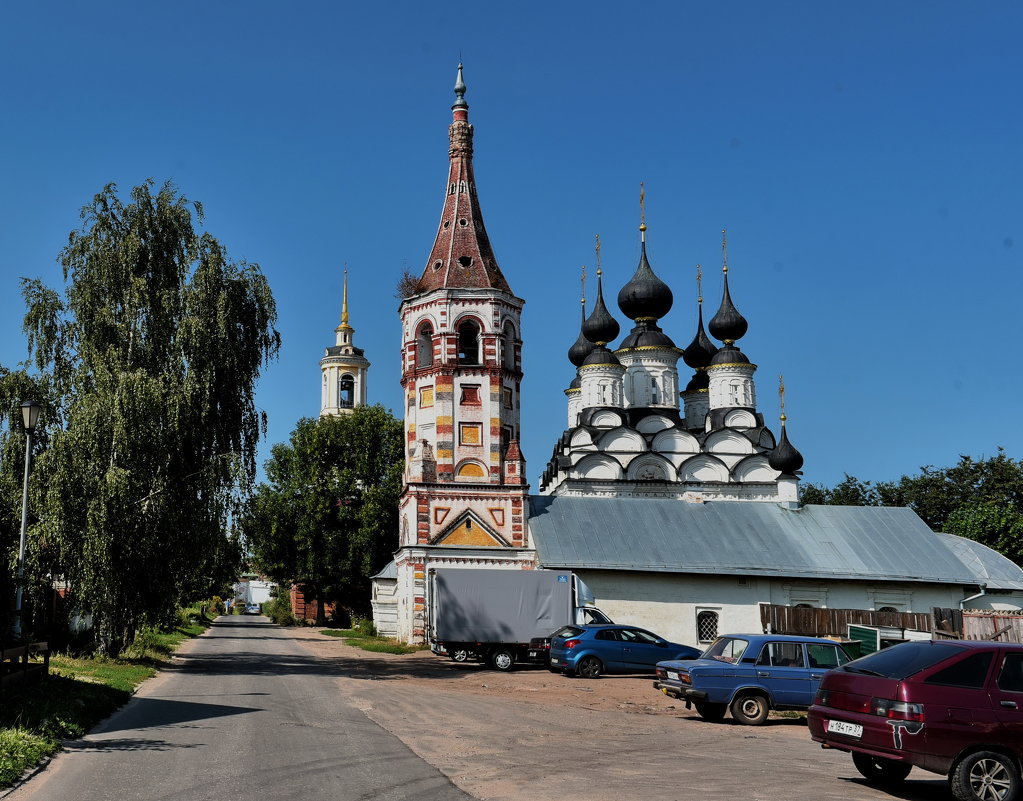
(534, 654)
(673, 675)
(554, 661)
(848, 729)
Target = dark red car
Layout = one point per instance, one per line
(948, 706)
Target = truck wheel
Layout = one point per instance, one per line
(880, 771)
(502, 659)
(711, 712)
(460, 654)
(750, 709)
(985, 775)
(590, 667)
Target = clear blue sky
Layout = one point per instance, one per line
(864, 157)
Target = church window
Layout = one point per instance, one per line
(438, 264)
(509, 346)
(470, 395)
(507, 393)
(506, 438)
(426, 397)
(447, 223)
(707, 626)
(463, 222)
(468, 343)
(655, 394)
(424, 347)
(735, 394)
(346, 391)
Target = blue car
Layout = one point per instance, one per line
(751, 674)
(594, 649)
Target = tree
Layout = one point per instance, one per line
(154, 348)
(328, 516)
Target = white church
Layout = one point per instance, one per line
(678, 507)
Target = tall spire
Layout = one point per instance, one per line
(462, 256)
(344, 303)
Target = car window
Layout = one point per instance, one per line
(1010, 678)
(606, 634)
(825, 656)
(782, 654)
(968, 672)
(643, 636)
(727, 649)
(904, 659)
(568, 631)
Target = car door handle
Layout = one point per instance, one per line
(1008, 704)
(816, 676)
(763, 674)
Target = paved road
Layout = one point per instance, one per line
(245, 712)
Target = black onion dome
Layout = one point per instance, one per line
(582, 346)
(701, 350)
(577, 382)
(600, 326)
(728, 325)
(645, 296)
(700, 380)
(646, 335)
(785, 458)
(729, 354)
(600, 355)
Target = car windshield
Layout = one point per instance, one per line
(903, 660)
(726, 649)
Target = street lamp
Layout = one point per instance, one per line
(29, 417)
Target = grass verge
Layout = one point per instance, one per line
(77, 694)
(370, 642)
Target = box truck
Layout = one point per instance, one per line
(491, 615)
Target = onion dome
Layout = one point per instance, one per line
(600, 355)
(785, 458)
(645, 297)
(646, 334)
(600, 327)
(728, 325)
(729, 354)
(582, 347)
(701, 350)
(577, 382)
(699, 381)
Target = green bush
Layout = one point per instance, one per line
(278, 609)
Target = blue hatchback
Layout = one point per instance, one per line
(590, 650)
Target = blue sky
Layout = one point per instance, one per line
(865, 159)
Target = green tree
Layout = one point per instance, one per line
(154, 348)
(328, 516)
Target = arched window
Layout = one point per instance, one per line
(509, 346)
(707, 626)
(424, 347)
(655, 394)
(468, 343)
(346, 391)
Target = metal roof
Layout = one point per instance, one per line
(758, 538)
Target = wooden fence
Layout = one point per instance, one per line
(816, 622)
(16, 664)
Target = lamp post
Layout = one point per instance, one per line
(29, 418)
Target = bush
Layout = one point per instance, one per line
(278, 609)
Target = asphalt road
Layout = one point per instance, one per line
(244, 712)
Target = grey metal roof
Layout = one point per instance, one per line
(389, 571)
(753, 538)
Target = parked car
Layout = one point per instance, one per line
(948, 706)
(540, 647)
(590, 650)
(252, 609)
(751, 674)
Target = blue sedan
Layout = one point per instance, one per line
(591, 650)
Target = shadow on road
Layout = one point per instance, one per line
(160, 712)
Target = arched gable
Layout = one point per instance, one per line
(740, 418)
(599, 467)
(581, 438)
(653, 423)
(754, 469)
(471, 470)
(731, 442)
(607, 419)
(622, 440)
(650, 467)
(703, 468)
(675, 441)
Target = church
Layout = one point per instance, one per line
(668, 494)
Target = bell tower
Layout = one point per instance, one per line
(464, 501)
(343, 369)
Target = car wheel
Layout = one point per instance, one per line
(750, 709)
(711, 712)
(460, 655)
(590, 667)
(502, 659)
(880, 771)
(985, 776)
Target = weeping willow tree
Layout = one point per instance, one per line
(154, 347)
